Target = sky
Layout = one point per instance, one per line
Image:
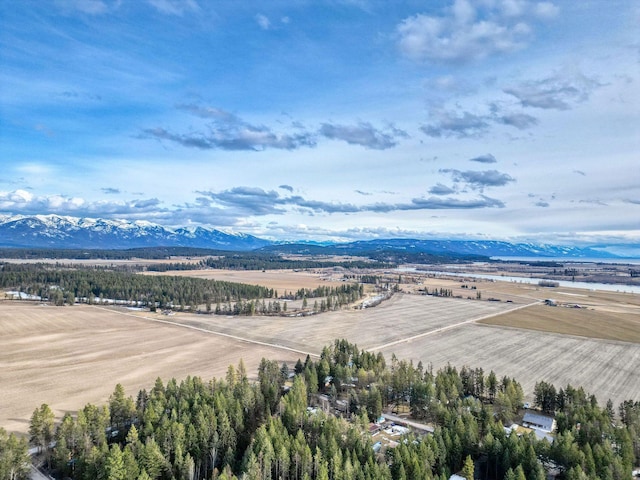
(325, 120)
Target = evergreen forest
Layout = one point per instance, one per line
(234, 428)
(67, 285)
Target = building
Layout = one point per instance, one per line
(538, 422)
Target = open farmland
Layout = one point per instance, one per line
(438, 331)
(72, 355)
(401, 317)
(607, 369)
(69, 356)
(587, 322)
(280, 280)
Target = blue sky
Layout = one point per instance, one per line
(327, 119)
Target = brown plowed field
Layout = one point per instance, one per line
(587, 322)
(280, 280)
(68, 356)
(607, 369)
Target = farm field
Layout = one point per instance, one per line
(67, 357)
(586, 322)
(608, 369)
(280, 280)
(401, 317)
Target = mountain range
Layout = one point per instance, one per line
(63, 232)
(54, 231)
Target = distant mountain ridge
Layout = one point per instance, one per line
(55, 231)
(63, 232)
(483, 248)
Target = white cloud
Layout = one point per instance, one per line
(546, 10)
(263, 21)
(174, 7)
(466, 33)
(557, 92)
(23, 202)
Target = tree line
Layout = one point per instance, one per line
(232, 428)
(148, 253)
(86, 284)
(67, 285)
(257, 261)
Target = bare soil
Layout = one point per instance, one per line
(586, 322)
(69, 356)
(281, 280)
(608, 369)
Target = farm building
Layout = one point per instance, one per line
(539, 422)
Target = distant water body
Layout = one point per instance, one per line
(622, 261)
(606, 287)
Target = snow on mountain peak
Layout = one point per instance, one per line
(57, 231)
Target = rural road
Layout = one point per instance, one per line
(212, 332)
(403, 421)
(449, 327)
(302, 352)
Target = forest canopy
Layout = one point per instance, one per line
(234, 428)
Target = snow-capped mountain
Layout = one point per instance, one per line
(55, 231)
(485, 248)
(61, 232)
(488, 248)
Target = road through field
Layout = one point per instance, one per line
(449, 327)
(211, 332)
(69, 356)
(397, 319)
(451, 311)
(608, 369)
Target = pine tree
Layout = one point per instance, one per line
(114, 464)
(467, 469)
(41, 427)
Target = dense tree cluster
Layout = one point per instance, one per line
(365, 278)
(399, 257)
(267, 258)
(263, 261)
(68, 285)
(232, 428)
(61, 285)
(149, 253)
(14, 457)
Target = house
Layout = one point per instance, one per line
(539, 422)
(374, 428)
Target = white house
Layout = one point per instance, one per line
(539, 422)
